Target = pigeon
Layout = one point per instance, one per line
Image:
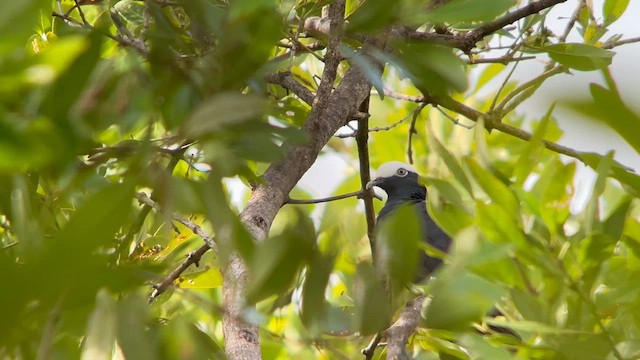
(401, 183)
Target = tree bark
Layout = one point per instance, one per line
(330, 111)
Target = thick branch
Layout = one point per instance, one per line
(265, 201)
(398, 334)
(286, 80)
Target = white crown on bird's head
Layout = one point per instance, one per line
(390, 168)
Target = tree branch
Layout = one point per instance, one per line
(398, 334)
(193, 258)
(466, 42)
(357, 194)
(286, 80)
(323, 121)
(362, 139)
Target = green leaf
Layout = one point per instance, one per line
(580, 56)
(612, 10)
(314, 307)
(134, 337)
(101, 329)
(489, 73)
(629, 180)
(371, 303)
(204, 279)
(397, 249)
(499, 226)
(222, 110)
(17, 21)
(72, 83)
(450, 160)
(492, 186)
(481, 347)
(279, 259)
(432, 68)
(608, 107)
(459, 298)
(230, 234)
(533, 150)
(457, 11)
(372, 15)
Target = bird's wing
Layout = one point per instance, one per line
(433, 235)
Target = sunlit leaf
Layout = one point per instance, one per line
(580, 56)
(204, 279)
(612, 10)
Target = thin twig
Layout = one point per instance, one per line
(357, 194)
(144, 212)
(193, 258)
(195, 228)
(455, 121)
(378, 129)
(412, 130)
(370, 350)
(571, 22)
(504, 106)
(500, 60)
(611, 45)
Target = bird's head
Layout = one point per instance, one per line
(397, 179)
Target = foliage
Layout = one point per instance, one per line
(111, 98)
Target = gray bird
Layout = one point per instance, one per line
(401, 183)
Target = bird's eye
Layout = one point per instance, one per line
(402, 172)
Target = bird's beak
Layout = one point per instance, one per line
(373, 183)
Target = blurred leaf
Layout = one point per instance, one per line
(371, 15)
(489, 73)
(499, 193)
(17, 20)
(367, 67)
(432, 68)
(482, 348)
(533, 151)
(371, 303)
(457, 11)
(450, 160)
(279, 259)
(101, 329)
(459, 298)
(397, 246)
(223, 110)
(314, 308)
(134, 337)
(71, 83)
(612, 10)
(608, 107)
(230, 234)
(580, 56)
